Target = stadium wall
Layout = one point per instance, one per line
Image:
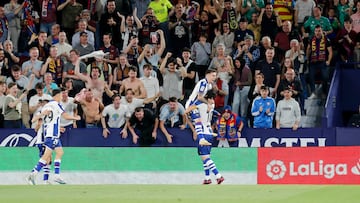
(132, 165)
(183, 138)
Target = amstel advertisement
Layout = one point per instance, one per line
(309, 165)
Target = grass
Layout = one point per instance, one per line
(180, 193)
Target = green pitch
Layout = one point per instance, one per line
(179, 193)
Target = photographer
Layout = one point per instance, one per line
(150, 24)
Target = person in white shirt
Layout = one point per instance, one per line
(151, 85)
(117, 114)
(69, 107)
(37, 101)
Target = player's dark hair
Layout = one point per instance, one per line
(172, 99)
(210, 95)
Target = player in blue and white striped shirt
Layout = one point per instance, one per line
(50, 114)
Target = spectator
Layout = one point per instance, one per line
(70, 11)
(263, 109)
(132, 102)
(37, 101)
(83, 24)
(315, 20)
(69, 107)
(110, 22)
(206, 24)
(296, 55)
(121, 72)
(283, 38)
(290, 81)
(172, 114)
(92, 81)
(12, 107)
(249, 7)
(54, 37)
(68, 86)
(53, 65)
(151, 85)
(346, 38)
(225, 37)
(47, 14)
(12, 57)
(255, 28)
(303, 9)
(2, 101)
(69, 70)
(33, 66)
(4, 67)
(150, 24)
(92, 108)
(143, 126)
(12, 13)
(269, 21)
(264, 45)
(229, 15)
(109, 63)
(6, 16)
(84, 47)
(319, 53)
(271, 71)
(179, 31)
(343, 10)
(335, 24)
(249, 52)
(129, 28)
(173, 72)
(219, 59)
(151, 55)
(225, 73)
(133, 50)
(242, 32)
(229, 127)
(49, 84)
(200, 53)
(23, 84)
(90, 18)
(117, 115)
(356, 18)
(63, 47)
(142, 7)
(188, 82)
(288, 111)
(41, 44)
(134, 83)
(242, 82)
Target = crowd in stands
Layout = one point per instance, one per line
(269, 55)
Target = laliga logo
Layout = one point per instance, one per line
(275, 169)
(13, 140)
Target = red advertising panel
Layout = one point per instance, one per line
(305, 165)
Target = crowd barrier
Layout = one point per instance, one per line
(183, 138)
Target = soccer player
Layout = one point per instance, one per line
(202, 115)
(50, 114)
(197, 96)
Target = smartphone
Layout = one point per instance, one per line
(154, 38)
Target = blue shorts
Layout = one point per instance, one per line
(41, 148)
(205, 149)
(52, 143)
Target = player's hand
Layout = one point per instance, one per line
(267, 111)
(154, 134)
(124, 134)
(62, 130)
(135, 138)
(260, 109)
(278, 126)
(106, 132)
(77, 118)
